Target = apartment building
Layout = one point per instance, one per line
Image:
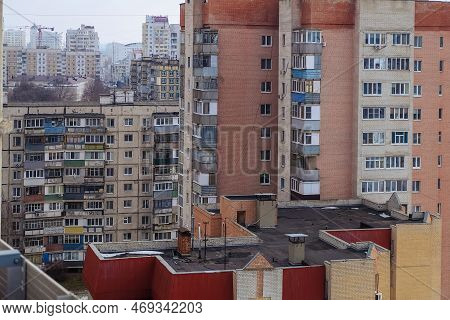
(48, 39)
(84, 38)
(14, 38)
(50, 62)
(348, 98)
(160, 38)
(80, 173)
(155, 79)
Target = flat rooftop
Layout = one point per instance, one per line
(274, 246)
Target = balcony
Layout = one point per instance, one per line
(204, 167)
(34, 131)
(29, 182)
(307, 48)
(73, 180)
(94, 146)
(305, 175)
(308, 98)
(58, 180)
(73, 246)
(161, 195)
(35, 249)
(208, 120)
(53, 164)
(54, 146)
(204, 190)
(206, 48)
(74, 163)
(206, 94)
(166, 161)
(163, 211)
(30, 165)
(37, 232)
(34, 147)
(164, 227)
(33, 198)
(53, 230)
(54, 130)
(307, 74)
(206, 72)
(54, 247)
(306, 125)
(202, 143)
(307, 150)
(94, 196)
(53, 197)
(166, 177)
(166, 129)
(307, 188)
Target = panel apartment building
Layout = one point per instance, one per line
(50, 62)
(155, 79)
(75, 174)
(160, 38)
(326, 100)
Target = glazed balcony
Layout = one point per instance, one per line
(305, 175)
(309, 150)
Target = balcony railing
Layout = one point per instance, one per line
(310, 150)
(305, 175)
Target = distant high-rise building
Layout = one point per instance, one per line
(14, 38)
(49, 39)
(84, 38)
(160, 38)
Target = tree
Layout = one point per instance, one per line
(94, 90)
(28, 92)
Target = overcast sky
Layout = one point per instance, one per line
(114, 20)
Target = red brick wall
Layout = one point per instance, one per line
(328, 13)
(382, 237)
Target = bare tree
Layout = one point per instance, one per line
(94, 90)
(28, 92)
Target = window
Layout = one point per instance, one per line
(33, 174)
(440, 136)
(94, 139)
(418, 41)
(110, 139)
(440, 111)
(163, 236)
(95, 205)
(145, 204)
(441, 66)
(34, 123)
(127, 204)
(417, 162)
(417, 65)
(128, 122)
(128, 138)
(108, 237)
(110, 172)
(417, 91)
(127, 220)
(266, 64)
(439, 161)
(399, 113)
(400, 64)
(373, 138)
(441, 42)
(16, 209)
(127, 236)
(163, 186)
(128, 154)
(396, 185)
(17, 124)
(110, 122)
(439, 184)
(372, 88)
(374, 63)
(416, 186)
(417, 138)
(399, 137)
(400, 39)
(396, 162)
(266, 109)
(145, 220)
(373, 163)
(109, 188)
(307, 36)
(417, 116)
(72, 239)
(417, 208)
(110, 205)
(93, 122)
(127, 171)
(265, 133)
(264, 179)
(373, 113)
(16, 192)
(17, 141)
(266, 41)
(372, 186)
(17, 157)
(266, 87)
(128, 187)
(400, 88)
(375, 39)
(17, 175)
(265, 155)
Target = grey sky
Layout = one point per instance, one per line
(115, 20)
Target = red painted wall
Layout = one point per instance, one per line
(432, 15)
(191, 286)
(304, 283)
(382, 237)
(118, 279)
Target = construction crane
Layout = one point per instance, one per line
(40, 28)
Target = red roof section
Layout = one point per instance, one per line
(381, 237)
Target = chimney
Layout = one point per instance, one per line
(184, 242)
(297, 244)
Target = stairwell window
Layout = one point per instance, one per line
(266, 41)
(417, 65)
(372, 186)
(418, 42)
(266, 64)
(372, 88)
(265, 155)
(373, 138)
(401, 39)
(417, 91)
(417, 163)
(266, 87)
(400, 89)
(416, 186)
(264, 179)
(266, 109)
(374, 163)
(396, 185)
(417, 115)
(266, 133)
(399, 64)
(375, 39)
(399, 137)
(417, 138)
(395, 162)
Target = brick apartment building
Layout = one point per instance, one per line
(317, 100)
(79, 173)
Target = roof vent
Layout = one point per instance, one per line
(297, 244)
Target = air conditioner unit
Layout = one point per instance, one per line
(378, 296)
